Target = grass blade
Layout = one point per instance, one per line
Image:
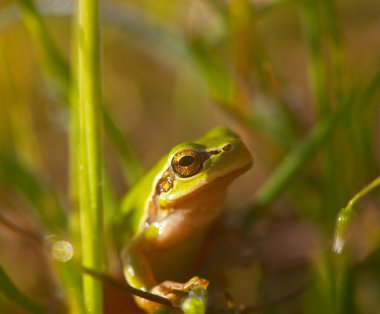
(39, 195)
(10, 290)
(57, 67)
(90, 149)
(52, 58)
(345, 215)
(306, 148)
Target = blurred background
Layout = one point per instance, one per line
(298, 80)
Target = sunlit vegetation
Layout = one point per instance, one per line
(298, 80)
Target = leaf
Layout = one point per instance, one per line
(10, 290)
(39, 195)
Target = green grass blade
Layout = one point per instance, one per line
(52, 58)
(331, 20)
(347, 213)
(296, 158)
(317, 37)
(132, 167)
(37, 193)
(314, 37)
(215, 74)
(10, 290)
(57, 66)
(90, 149)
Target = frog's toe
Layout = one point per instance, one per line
(175, 292)
(195, 283)
(171, 291)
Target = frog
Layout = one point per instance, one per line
(165, 216)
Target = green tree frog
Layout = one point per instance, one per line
(165, 215)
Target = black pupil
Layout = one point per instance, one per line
(186, 161)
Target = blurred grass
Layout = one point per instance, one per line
(40, 197)
(312, 152)
(58, 68)
(12, 292)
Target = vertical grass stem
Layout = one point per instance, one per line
(90, 151)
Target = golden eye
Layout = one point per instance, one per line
(187, 163)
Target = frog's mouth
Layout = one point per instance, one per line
(209, 193)
(217, 181)
(203, 203)
(213, 186)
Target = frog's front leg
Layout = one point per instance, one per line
(138, 273)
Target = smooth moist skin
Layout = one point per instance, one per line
(164, 217)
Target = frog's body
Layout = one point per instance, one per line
(166, 214)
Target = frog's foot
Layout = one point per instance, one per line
(176, 291)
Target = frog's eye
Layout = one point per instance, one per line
(187, 163)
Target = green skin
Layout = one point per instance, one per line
(153, 221)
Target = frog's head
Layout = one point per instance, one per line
(192, 166)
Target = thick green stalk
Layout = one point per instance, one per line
(90, 149)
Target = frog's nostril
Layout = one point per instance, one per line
(227, 147)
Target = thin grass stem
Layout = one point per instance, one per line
(347, 213)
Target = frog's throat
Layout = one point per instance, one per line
(215, 189)
(222, 181)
